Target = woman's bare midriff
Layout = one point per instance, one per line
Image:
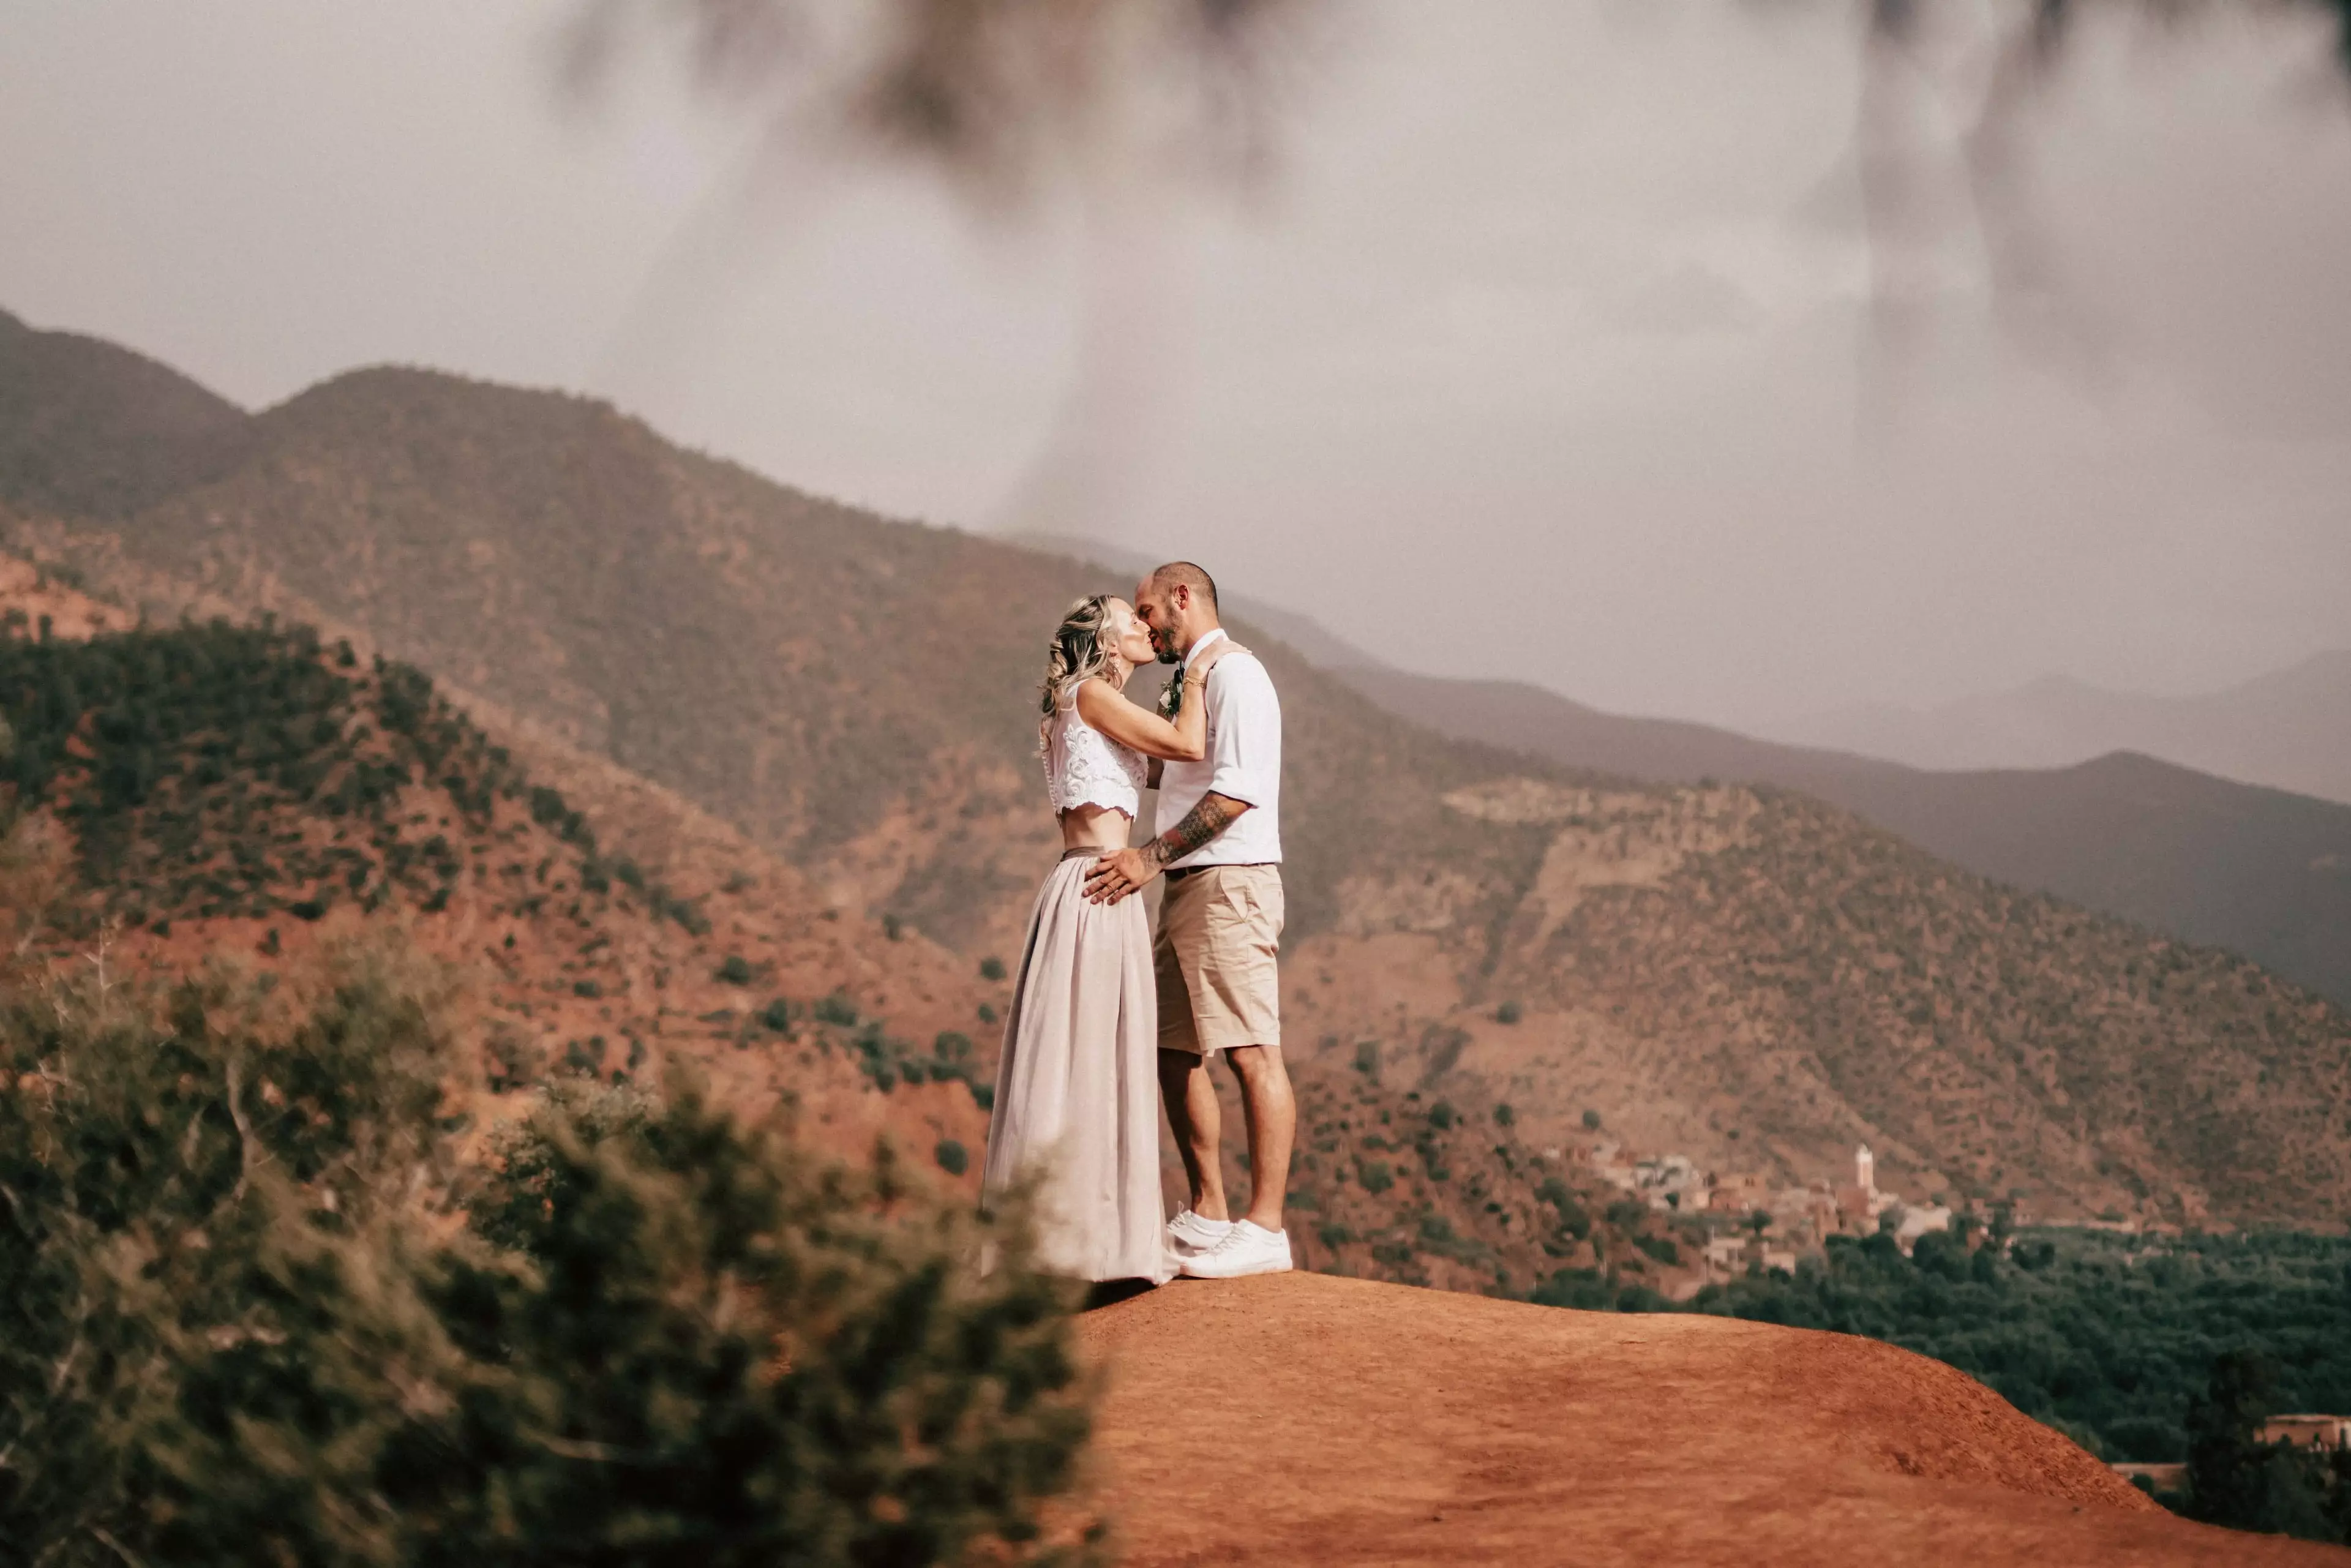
(1095, 827)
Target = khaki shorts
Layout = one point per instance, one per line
(1219, 935)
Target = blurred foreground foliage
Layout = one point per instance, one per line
(262, 1300)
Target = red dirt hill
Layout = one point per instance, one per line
(1301, 1419)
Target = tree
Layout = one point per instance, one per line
(2233, 1477)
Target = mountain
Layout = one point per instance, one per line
(90, 429)
(1740, 973)
(175, 798)
(2257, 870)
(2290, 729)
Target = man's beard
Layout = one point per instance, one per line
(1164, 647)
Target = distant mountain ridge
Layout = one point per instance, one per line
(2289, 729)
(2262, 872)
(1741, 973)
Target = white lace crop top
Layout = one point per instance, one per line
(1083, 766)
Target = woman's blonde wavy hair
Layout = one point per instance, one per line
(1076, 654)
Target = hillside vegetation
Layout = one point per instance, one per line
(1997, 1042)
(2111, 1338)
(1746, 976)
(171, 797)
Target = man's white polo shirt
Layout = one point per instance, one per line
(1243, 763)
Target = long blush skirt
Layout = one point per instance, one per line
(1077, 1088)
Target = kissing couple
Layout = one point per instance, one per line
(1104, 1008)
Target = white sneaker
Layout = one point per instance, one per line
(1246, 1249)
(1189, 1235)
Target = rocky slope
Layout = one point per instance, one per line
(1295, 1419)
(1738, 974)
(1749, 972)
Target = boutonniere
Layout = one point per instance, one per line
(1171, 695)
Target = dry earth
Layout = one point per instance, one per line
(50, 608)
(1301, 1419)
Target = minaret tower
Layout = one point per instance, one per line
(1865, 1170)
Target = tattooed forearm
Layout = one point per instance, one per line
(1203, 823)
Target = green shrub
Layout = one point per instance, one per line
(1574, 1219)
(991, 968)
(238, 1325)
(736, 970)
(1627, 1213)
(1509, 1012)
(952, 1156)
(1582, 1290)
(1374, 1176)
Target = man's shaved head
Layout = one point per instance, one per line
(1185, 574)
(1178, 603)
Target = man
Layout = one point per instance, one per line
(1220, 934)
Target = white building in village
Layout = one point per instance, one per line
(1675, 1183)
(1671, 1182)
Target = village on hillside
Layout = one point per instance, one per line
(1752, 1223)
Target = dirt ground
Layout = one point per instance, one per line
(1298, 1418)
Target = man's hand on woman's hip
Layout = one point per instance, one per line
(1124, 872)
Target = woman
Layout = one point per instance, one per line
(1077, 1102)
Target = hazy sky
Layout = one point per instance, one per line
(1540, 355)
